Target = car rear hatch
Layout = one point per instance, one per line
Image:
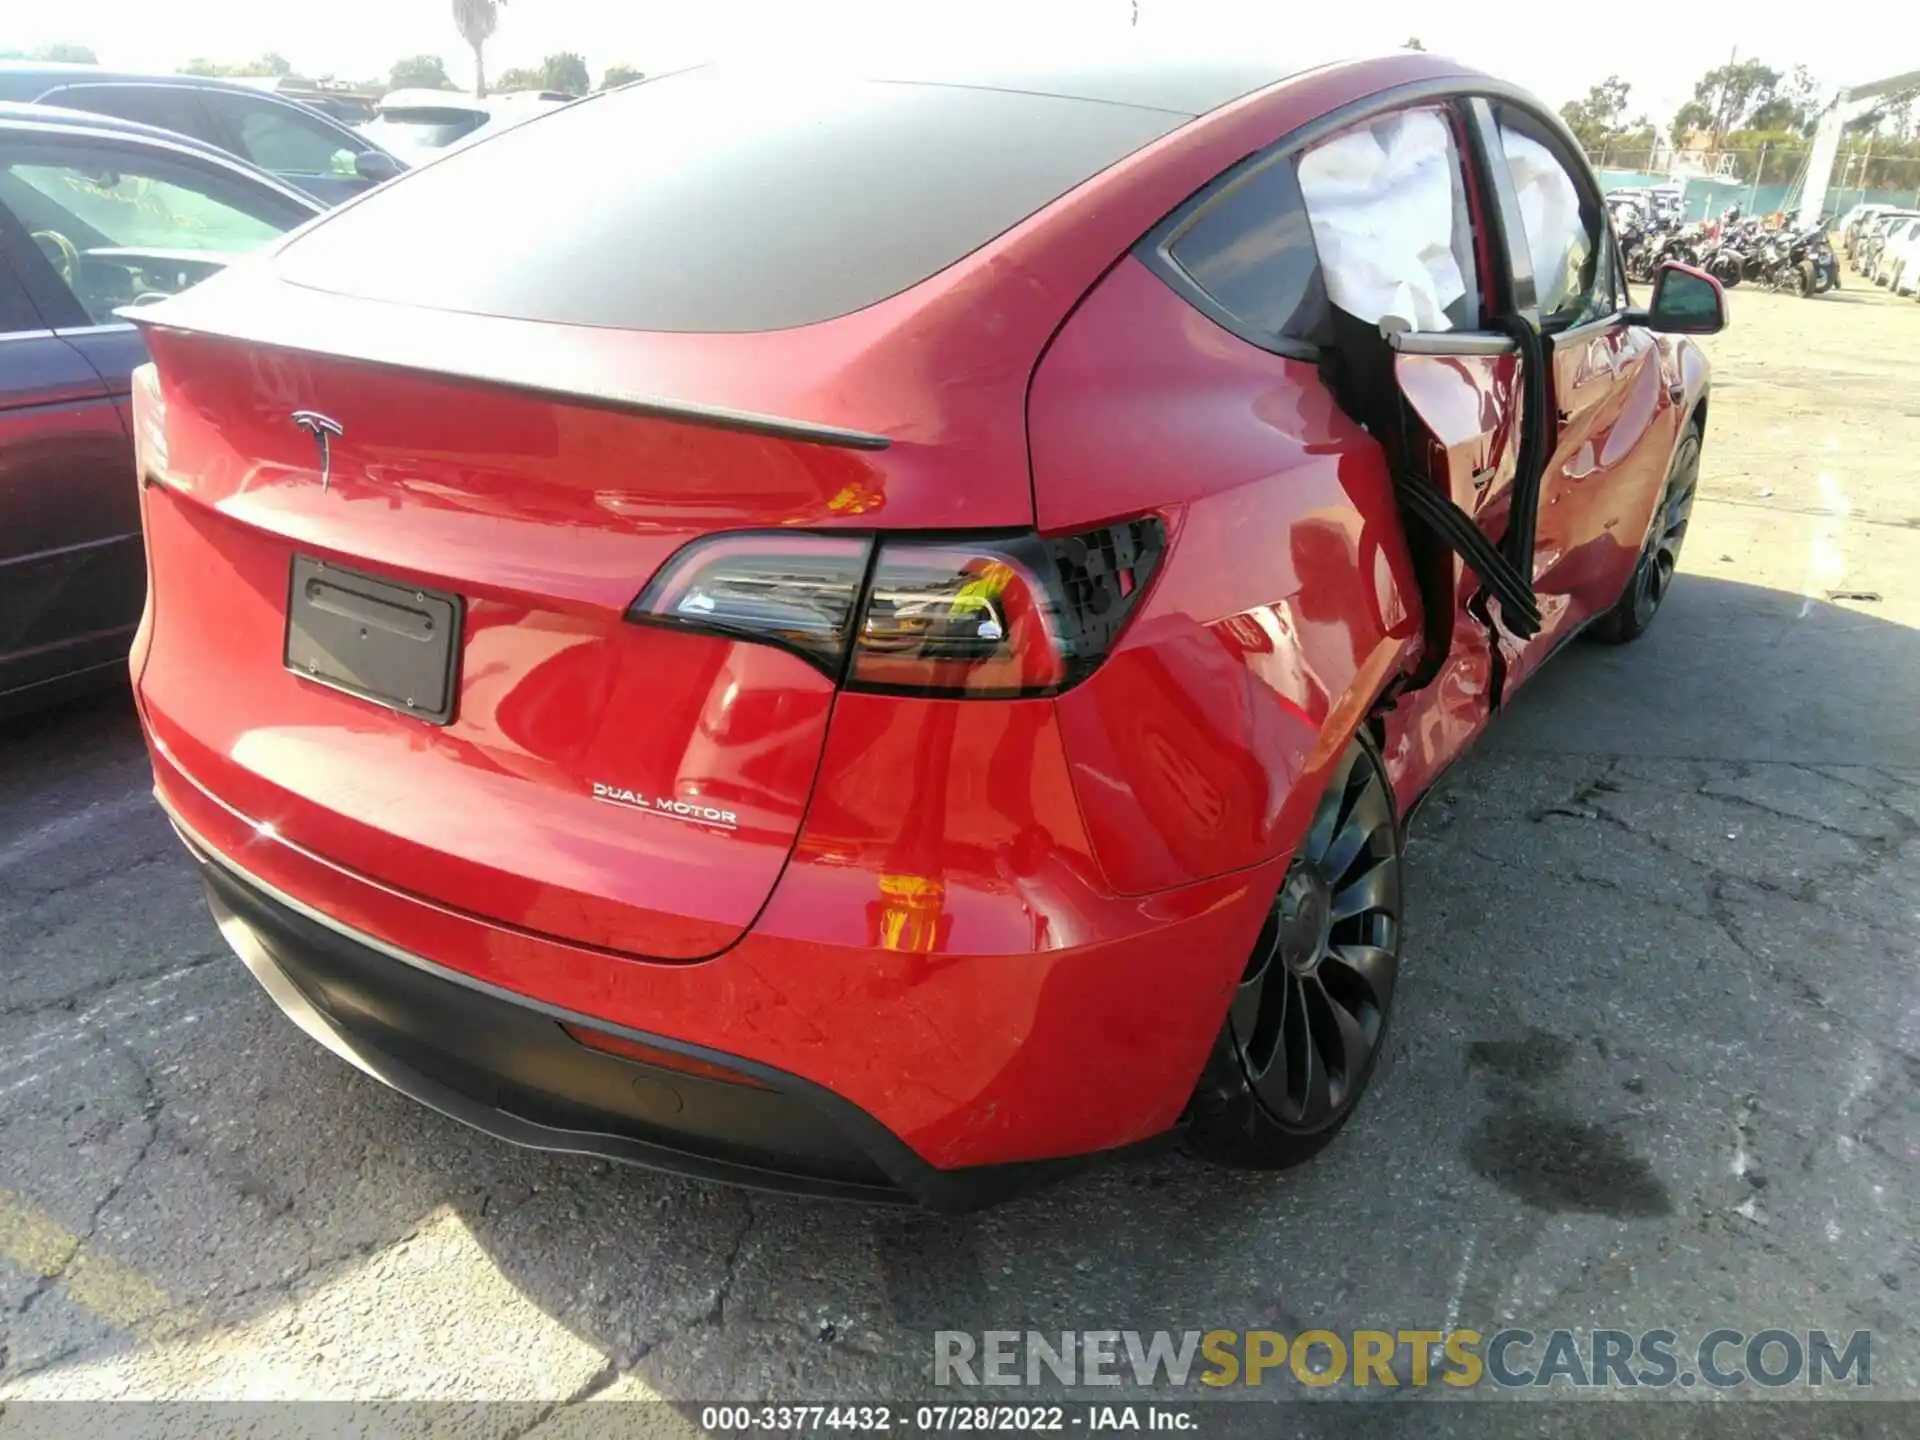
(494, 398)
(410, 654)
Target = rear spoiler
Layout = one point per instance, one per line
(171, 315)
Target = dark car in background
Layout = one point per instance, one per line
(305, 148)
(96, 214)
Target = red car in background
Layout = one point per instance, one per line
(884, 645)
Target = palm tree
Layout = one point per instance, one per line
(476, 20)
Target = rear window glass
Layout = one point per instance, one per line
(718, 200)
(429, 128)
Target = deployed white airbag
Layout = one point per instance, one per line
(1380, 198)
(1550, 209)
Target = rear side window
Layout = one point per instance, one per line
(1563, 223)
(1372, 221)
(718, 199)
(280, 138)
(1251, 250)
(17, 310)
(1390, 216)
(171, 107)
(118, 222)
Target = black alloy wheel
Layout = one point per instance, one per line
(1660, 552)
(1307, 1020)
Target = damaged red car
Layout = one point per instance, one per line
(885, 643)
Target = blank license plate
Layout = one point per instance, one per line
(396, 645)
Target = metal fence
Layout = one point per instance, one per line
(1760, 181)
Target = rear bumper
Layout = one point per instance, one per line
(502, 1064)
(1031, 1024)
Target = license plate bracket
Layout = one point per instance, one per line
(395, 645)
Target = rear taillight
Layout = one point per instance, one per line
(969, 616)
(982, 616)
(798, 591)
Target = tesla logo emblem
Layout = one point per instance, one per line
(323, 428)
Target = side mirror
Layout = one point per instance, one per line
(1686, 301)
(375, 166)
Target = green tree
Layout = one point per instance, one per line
(1794, 104)
(1730, 93)
(620, 75)
(423, 72)
(1688, 118)
(566, 71)
(62, 53)
(1414, 43)
(1900, 114)
(476, 21)
(268, 64)
(1632, 146)
(1596, 119)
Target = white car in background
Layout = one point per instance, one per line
(1901, 260)
(1894, 242)
(418, 125)
(1857, 227)
(1874, 236)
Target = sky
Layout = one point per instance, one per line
(1555, 52)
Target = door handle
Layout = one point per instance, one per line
(1676, 393)
(1482, 475)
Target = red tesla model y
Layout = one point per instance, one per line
(876, 632)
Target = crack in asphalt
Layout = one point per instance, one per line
(105, 987)
(40, 894)
(71, 1350)
(1581, 804)
(150, 1107)
(1681, 757)
(717, 1313)
(311, 1273)
(1794, 984)
(600, 1380)
(617, 1365)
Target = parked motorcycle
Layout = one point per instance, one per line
(1780, 260)
(1685, 244)
(1826, 265)
(1732, 249)
(1729, 251)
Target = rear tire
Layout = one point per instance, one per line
(1653, 571)
(1309, 1017)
